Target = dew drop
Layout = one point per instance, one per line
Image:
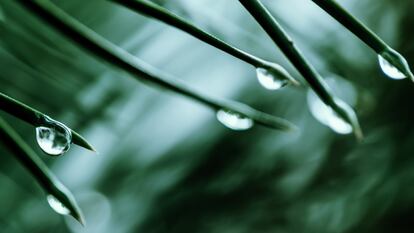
(326, 115)
(269, 80)
(234, 120)
(390, 70)
(57, 206)
(53, 137)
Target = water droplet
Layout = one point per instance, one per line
(326, 115)
(269, 80)
(53, 137)
(234, 120)
(57, 206)
(389, 69)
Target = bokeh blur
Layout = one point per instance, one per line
(165, 164)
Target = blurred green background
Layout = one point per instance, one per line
(165, 164)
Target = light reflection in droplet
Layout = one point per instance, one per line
(57, 206)
(269, 80)
(390, 70)
(233, 120)
(53, 137)
(325, 114)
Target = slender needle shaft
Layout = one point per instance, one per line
(155, 11)
(288, 47)
(28, 158)
(102, 48)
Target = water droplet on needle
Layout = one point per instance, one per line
(57, 206)
(326, 115)
(269, 80)
(390, 70)
(53, 137)
(394, 65)
(234, 120)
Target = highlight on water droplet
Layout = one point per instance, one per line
(325, 114)
(390, 70)
(53, 137)
(57, 206)
(269, 80)
(394, 64)
(234, 120)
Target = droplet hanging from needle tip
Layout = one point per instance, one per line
(270, 80)
(53, 137)
(394, 65)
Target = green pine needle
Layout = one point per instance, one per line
(28, 158)
(366, 35)
(155, 11)
(288, 47)
(33, 117)
(102, 48)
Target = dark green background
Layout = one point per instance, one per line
(166, 165)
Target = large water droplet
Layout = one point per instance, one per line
(234, 120)
(53, 137)
(57, 206)
(327, 116)
(269, 80)
(390, 70)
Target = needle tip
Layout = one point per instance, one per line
(411, 76)
(81, 220)
(359, 135)
(294, 82)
